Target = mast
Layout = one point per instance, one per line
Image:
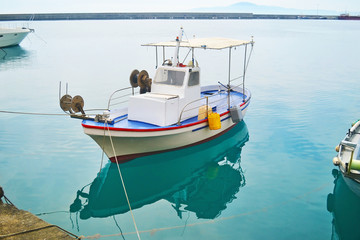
(176, 54)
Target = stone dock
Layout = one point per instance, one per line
(19, 224)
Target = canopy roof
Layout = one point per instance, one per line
(206, 43)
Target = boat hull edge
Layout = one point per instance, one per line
(123, 149)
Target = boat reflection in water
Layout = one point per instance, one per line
(15, 54)
(201, 179)
(343, 203)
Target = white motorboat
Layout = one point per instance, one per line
(173, 110)
(13, 36)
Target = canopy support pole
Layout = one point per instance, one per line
(229, 76)
(192, 57)
(163, 53)
(244, 73)
(157, 59)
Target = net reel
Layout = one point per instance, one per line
(73, 105)
(141, 79)
(134, 78)
(65, 103)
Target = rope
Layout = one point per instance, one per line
(2, 194)
(31, 230)
(49, 114)
(122, 182)
(4, 52)
(32, 113)
(8, 201)
(37, 229)
(46, 213)
(118, 227)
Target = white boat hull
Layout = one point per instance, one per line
(121, 146)
(12, 37)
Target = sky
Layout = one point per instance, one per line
(52, 6)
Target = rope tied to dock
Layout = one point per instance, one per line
(38, 229)
(2, 195)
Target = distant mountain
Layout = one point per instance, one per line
(247, 7)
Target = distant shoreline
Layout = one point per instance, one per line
(154, 15)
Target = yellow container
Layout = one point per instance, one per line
(202, 112)
(214, 121)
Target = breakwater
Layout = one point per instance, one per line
(152, 15)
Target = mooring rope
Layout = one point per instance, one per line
(38, 229)
(122, 181)
(47, 114)
(34, 113)
(118, 227)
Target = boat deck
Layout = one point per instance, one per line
(218, 102)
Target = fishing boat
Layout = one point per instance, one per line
(348, 157)
(170, 111)
(13, 36)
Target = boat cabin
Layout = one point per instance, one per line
(172, 88)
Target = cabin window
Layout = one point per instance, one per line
(194, 79)
(169, 77)
(1, 35)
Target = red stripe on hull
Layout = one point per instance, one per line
(143, 130)
(126, 158)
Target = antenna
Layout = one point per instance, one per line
(178, 41)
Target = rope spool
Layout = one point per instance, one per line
(144, 81)
(134, 78)
(77, 104)
(65, 103)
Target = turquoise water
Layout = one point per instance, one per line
(268, 179)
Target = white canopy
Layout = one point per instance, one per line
(205, 43)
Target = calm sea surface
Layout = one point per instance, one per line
(269, 178)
